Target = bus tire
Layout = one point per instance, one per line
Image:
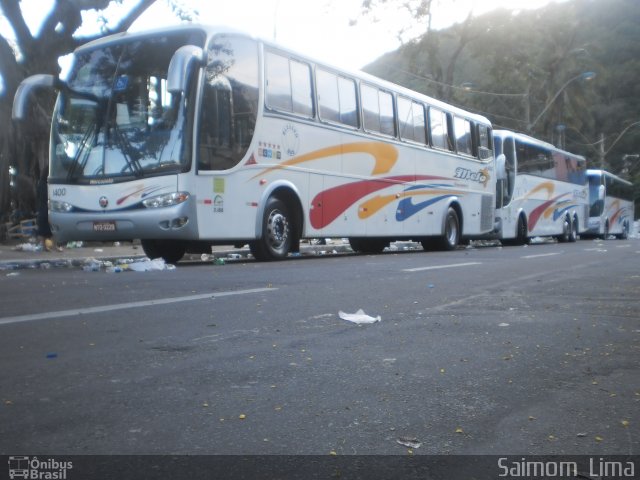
(368, 245)
(451, 235)
(171, 251)
(573, 232)
(428, 244)
(521, 237)
(566, 230)
(277, 232)
(625, 232)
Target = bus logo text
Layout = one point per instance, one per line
(481, 176)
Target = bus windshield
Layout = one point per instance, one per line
(117, 120)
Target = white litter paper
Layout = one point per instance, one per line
(156, 264)
(359, 317)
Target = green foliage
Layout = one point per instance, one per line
(24, 147)
(517, 65)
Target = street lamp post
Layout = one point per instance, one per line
(604, 153)
(585, 76)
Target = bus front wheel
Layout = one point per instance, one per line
(277, 232)
(171, 251)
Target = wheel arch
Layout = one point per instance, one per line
(454, 202)
(522, 214)
(290, 195)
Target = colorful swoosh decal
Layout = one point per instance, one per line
(617, 215)
(330, 204)
(559, 212)
(406, 208)
(141, 192)
(545, 209)
(385, 156)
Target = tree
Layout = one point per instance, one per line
(529, 66)
(437, 51)
(25, 146)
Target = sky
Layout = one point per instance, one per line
(321, 29)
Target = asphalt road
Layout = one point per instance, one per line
(504, 351)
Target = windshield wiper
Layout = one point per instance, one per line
(130, 155)
(88, 137)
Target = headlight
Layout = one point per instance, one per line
(58, 206)
(166, 200)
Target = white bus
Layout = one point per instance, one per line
(193, 136)
(541, 190)
(611, 208)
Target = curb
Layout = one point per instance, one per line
(217, 257)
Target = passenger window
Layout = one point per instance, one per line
(411, 120)
(278, 83)
(484, 142)
(336, 98)
(462, 130)
(288, 85)
(377, 110)
(301, 92)
(439, 128)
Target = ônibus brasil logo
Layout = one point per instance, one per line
(38, 469)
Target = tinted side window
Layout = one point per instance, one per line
(534, 159)
(484, 142)
(229, 103)
(439, 128)
(411, 120)
(301, 91)
(464, 142)
(288, 85)
(377, 110)
(336, 98)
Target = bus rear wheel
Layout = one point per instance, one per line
(566, 230)
(171, 251)
(573, 232)
(277, 232)
(368, 245)
(451, 235)
(625, 232)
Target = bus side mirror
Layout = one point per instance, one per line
(601, 192)
(182, 64)
(28, 85)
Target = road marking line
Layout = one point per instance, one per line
(438, 267)
(542, 255)
(122, 306)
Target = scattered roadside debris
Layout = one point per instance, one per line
(359, 318)
(410, 442)
(127, 264)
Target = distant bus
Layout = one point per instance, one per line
(541, 190)
(194, 136)
(611, 209)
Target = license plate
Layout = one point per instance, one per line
(104, 226)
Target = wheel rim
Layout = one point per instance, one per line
(452, 231)
(277, 231)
